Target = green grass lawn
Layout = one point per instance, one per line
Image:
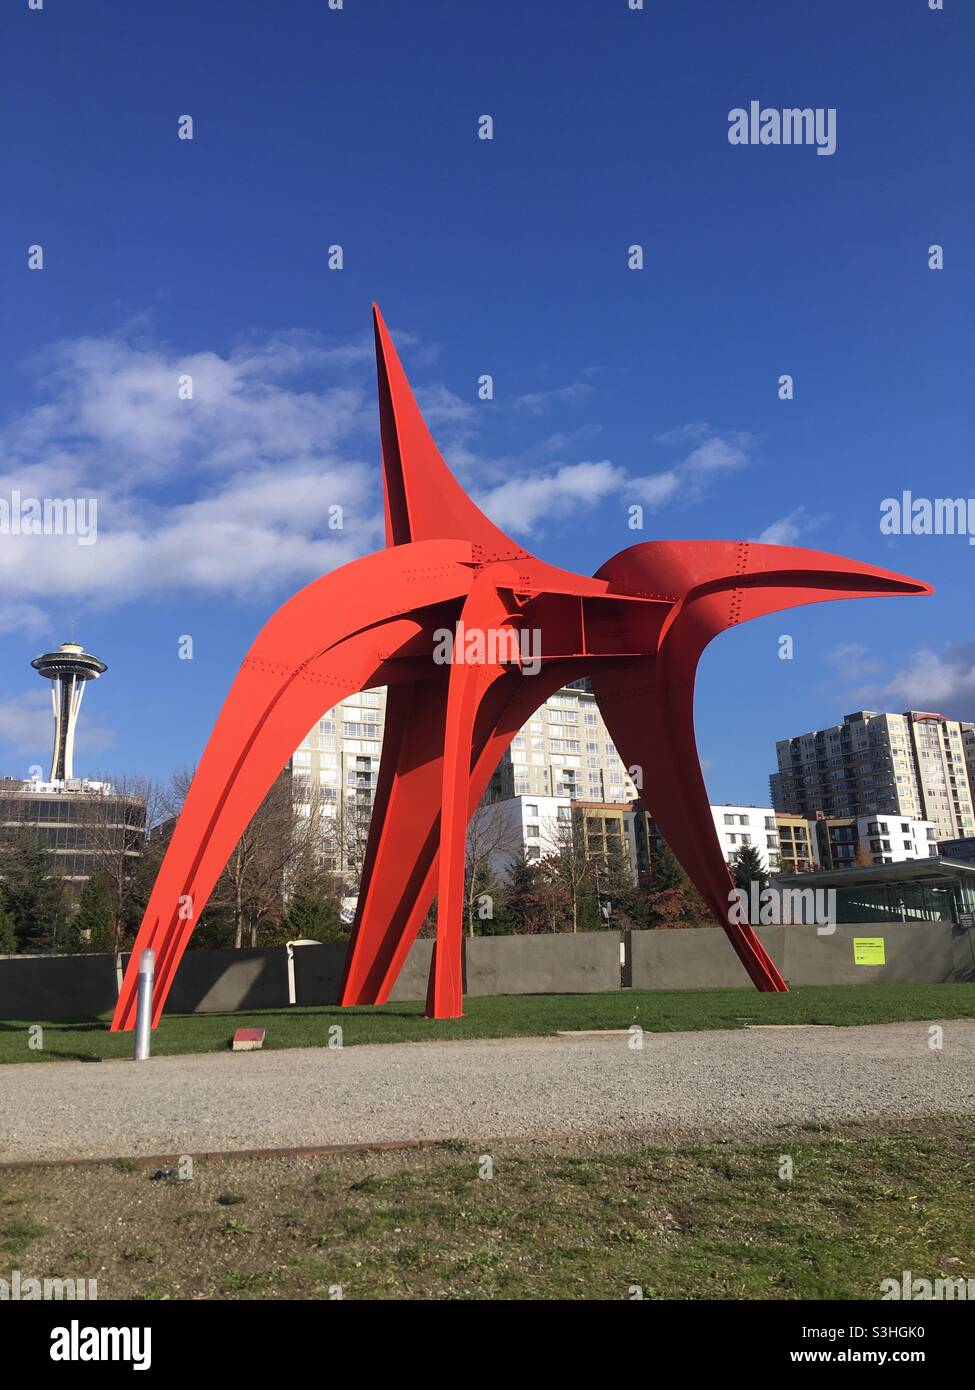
(508, 1016)
(551, 1222)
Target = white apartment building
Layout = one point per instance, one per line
(533, 824)
(894, 839)
(829, 842)
(752, 826)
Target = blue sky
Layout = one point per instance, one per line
(359, 127)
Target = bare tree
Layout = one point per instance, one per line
(115, 816)
(351, 828)
(253, 885)
(567, 866)
(491, 836)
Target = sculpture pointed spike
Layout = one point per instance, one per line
(423, 499)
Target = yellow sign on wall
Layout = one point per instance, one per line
(869, 950)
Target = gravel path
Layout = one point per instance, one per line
(686, 1084)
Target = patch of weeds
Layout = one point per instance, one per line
(16, 1235)
(370, 1183)
(234, 1227)
(245, 1280)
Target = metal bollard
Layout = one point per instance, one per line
(143, 1011)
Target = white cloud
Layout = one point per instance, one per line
(229, 491)
(853, 661)
(22, 617)
(944, 683)
(788, 528)
(696, 429)
(443, 407)
(27, 730)
(521, 503)
(656, 489)
(540, 402)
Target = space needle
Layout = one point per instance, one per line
(68, 669)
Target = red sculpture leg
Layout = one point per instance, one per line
(402, 838)
(649, 708)
(400, 880)
(486, 615)
(297, 669)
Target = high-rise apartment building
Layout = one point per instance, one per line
(335, 768)
(916, 765)
(564, 750)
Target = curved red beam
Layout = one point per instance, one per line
(637, 629)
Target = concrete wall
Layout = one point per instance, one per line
(915, 954)
(698, 958)
(703, 958)
(217, 982)
(82, 987)
(318, 973)
(61, 988)
(568, 963)
(565, 964)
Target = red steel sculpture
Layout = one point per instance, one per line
(637, 630)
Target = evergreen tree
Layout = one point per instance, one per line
(8, 937)
(34, 894)
(143, 878)
(522, 911)
(215, 931)
(95, 919)
(617, 891)
(746, 869)
(312, 918)
(665, 872)
(671, 898)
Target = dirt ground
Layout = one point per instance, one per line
(548, 1219)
